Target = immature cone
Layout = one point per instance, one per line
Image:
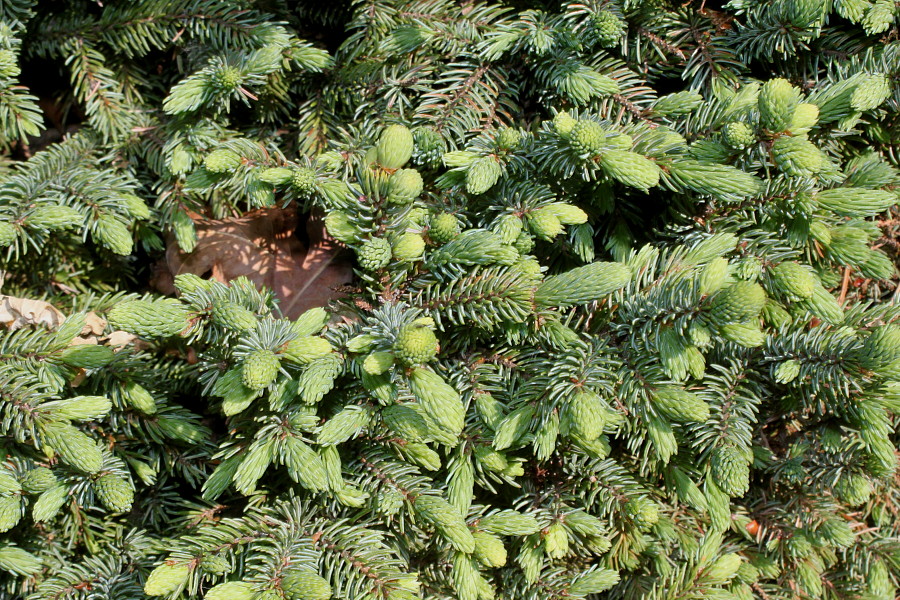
(556, 540)
(447, 521)
(795, 281)
(215, 564)
(38, 480)
(713, 276)
(409, 247)
(443, 227)
(630, 168)
(303, 181)
(482, 174)
(305, 349)
(395, 147)
(797, 156)
(73, 446)
(490, 459)
(388, 501)
(223, 160)
(739, 302)
(374, 254)
(508, 138)
(9, 66)
(643, 512)
(340, 226)
(420, 454)
(747, 334)
(738, 135)
(544, 223)
(777, 101)
(584, 416)
(588, 138)
(87, 356)
(724, 569)
(304, 584)
(415, 344)
(227, 77)
(231, 590)
(875, 90)
(404, 186)
(166, 579)
(429, 146)
(805, 118)
(854, 489)
(260, 368)
(148, 318)
(405, 422)
(53, 218)
(564, 123)
(10, 512)
(881, 348)
(606, 29)
(680, 405)
(524, 243)
(787, 371)
(114, 492)
(113, 234)
(730, 471)
(233, 316)
(8, 234)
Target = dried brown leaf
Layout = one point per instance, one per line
(16, 313)
(261, 246)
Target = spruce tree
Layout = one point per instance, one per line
(621, 323)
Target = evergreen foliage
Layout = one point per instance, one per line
(622, 325)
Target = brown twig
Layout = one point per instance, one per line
(844, 284)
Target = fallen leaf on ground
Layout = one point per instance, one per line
(261, 246)
(16, 313)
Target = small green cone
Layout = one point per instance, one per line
(588, 138)
(409, 247)
(231, 590)
(796, 282)
(166, 579)
(38, 480)
(233, 316)
(259, 369)
(777, 101)
(730, 471)
(395, 147)
(404, 186)
(303, 181)
(223, 160)
(148, 318)
(53, 218)
(739, 302)
(113, 234)
(339, 226)
(738, 135)
(114, 492)
(10, 512)
(643, 512)
(415, 344)
(374, 254)
(797, 156)
(304, 584)
(8, 234)
(443, 227)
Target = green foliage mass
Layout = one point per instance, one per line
(622, 323)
